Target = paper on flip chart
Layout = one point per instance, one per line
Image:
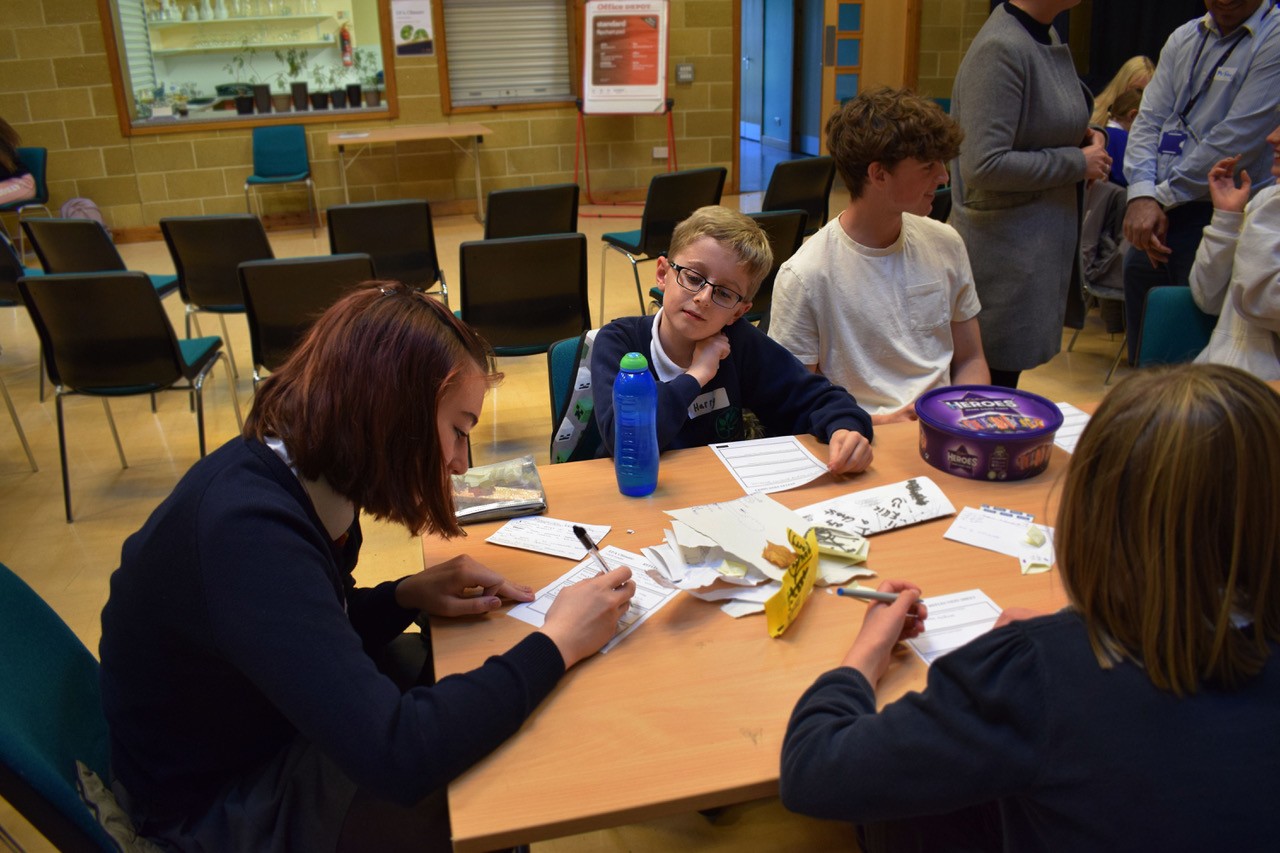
(649, 597)
(769, 464)
(954, 620)
(876, 510)
(545, 535)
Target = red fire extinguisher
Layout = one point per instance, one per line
(344, 39)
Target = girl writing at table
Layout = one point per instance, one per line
(240, 662)
(1141, 717)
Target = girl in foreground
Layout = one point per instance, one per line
(240, 663)
(1143, 716)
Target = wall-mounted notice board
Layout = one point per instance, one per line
(625, 57)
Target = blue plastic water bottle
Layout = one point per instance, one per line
(635, 427)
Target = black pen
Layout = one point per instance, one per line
(581, 533)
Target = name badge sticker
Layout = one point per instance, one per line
(1224, 75)
(1171, 142)
(709, 402)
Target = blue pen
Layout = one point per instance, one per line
(869, 594)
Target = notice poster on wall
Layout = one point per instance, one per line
(411, 25)
(625, 70)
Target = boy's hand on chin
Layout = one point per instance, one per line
(707, 355)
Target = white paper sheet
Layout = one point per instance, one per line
(882, 508)
(954, 620)
(765, 465)
(744, 527)
(1073, 423)
(545, 535)
(649, 597)
(1002, 531)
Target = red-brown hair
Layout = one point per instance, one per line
(356, 402)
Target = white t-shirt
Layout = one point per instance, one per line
(876, 321)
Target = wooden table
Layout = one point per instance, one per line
(689, 711)
(411, 133)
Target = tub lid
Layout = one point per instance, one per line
(988, 410)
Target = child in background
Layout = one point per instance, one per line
(1119, 119)
(1143, 716)
(1136, 73)
(16, 181)
(710, 364)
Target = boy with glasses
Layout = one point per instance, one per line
(709, 366)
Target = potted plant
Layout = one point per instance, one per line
(294, 61)
(338, 76)
(323, 78)
(366, 68)
(240, 67)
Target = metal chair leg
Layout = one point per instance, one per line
(235, 400)
(1124, 341)
(199, 389)
(62, 454)
(1073, 340)
(226, 338)
(17, 425)
(604, 254)
(106, 407)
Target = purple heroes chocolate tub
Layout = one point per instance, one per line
(985, 432)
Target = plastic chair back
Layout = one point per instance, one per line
(530, 211)
(283, 297)
(11, 269)
(280, 152)
(1174, 329)
(50, 717)
(103, 332)
(941, 207)
(524, 293)
(207, 252)
(398, 235)
(672, 197)
(73, 245)
(803, 184)
(574, 433)
(785, 229)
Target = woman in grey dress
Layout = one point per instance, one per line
(1016, 185)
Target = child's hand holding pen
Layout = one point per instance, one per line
(884, 626)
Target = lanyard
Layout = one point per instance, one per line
(1213, 72)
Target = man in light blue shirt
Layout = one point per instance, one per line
(1214, 95)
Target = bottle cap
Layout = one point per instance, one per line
(634, 361)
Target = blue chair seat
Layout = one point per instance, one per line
(164, 284)
(277, 179)
(628, 240)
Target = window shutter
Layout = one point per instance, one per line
(507, 51)
(137, 45)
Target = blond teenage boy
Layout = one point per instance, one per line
(710, 364)
(882, 300)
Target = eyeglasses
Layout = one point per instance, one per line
(693, 281)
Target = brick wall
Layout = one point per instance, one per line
(55, 89)
(946, 29)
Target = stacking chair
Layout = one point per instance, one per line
(36, 161)
(11, 269)
(803, 184)
(1174, 329)
(528, 211)
(1102, 251)
(574, 433)
(207, 252)
(283, 297)
(941, 207)
(106, 335)
(672, 197)
(785, 230)
(398, 235)
(82, 245)
(524, 293)
(280, 157)
(50, 718)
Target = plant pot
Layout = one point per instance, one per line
(353, 95)
(244, 105)
(262, 97)
(372, 97)
(281, 102)
(299, 91)
(319, 100)
(339, 98)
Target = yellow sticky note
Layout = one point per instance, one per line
(781, 610)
